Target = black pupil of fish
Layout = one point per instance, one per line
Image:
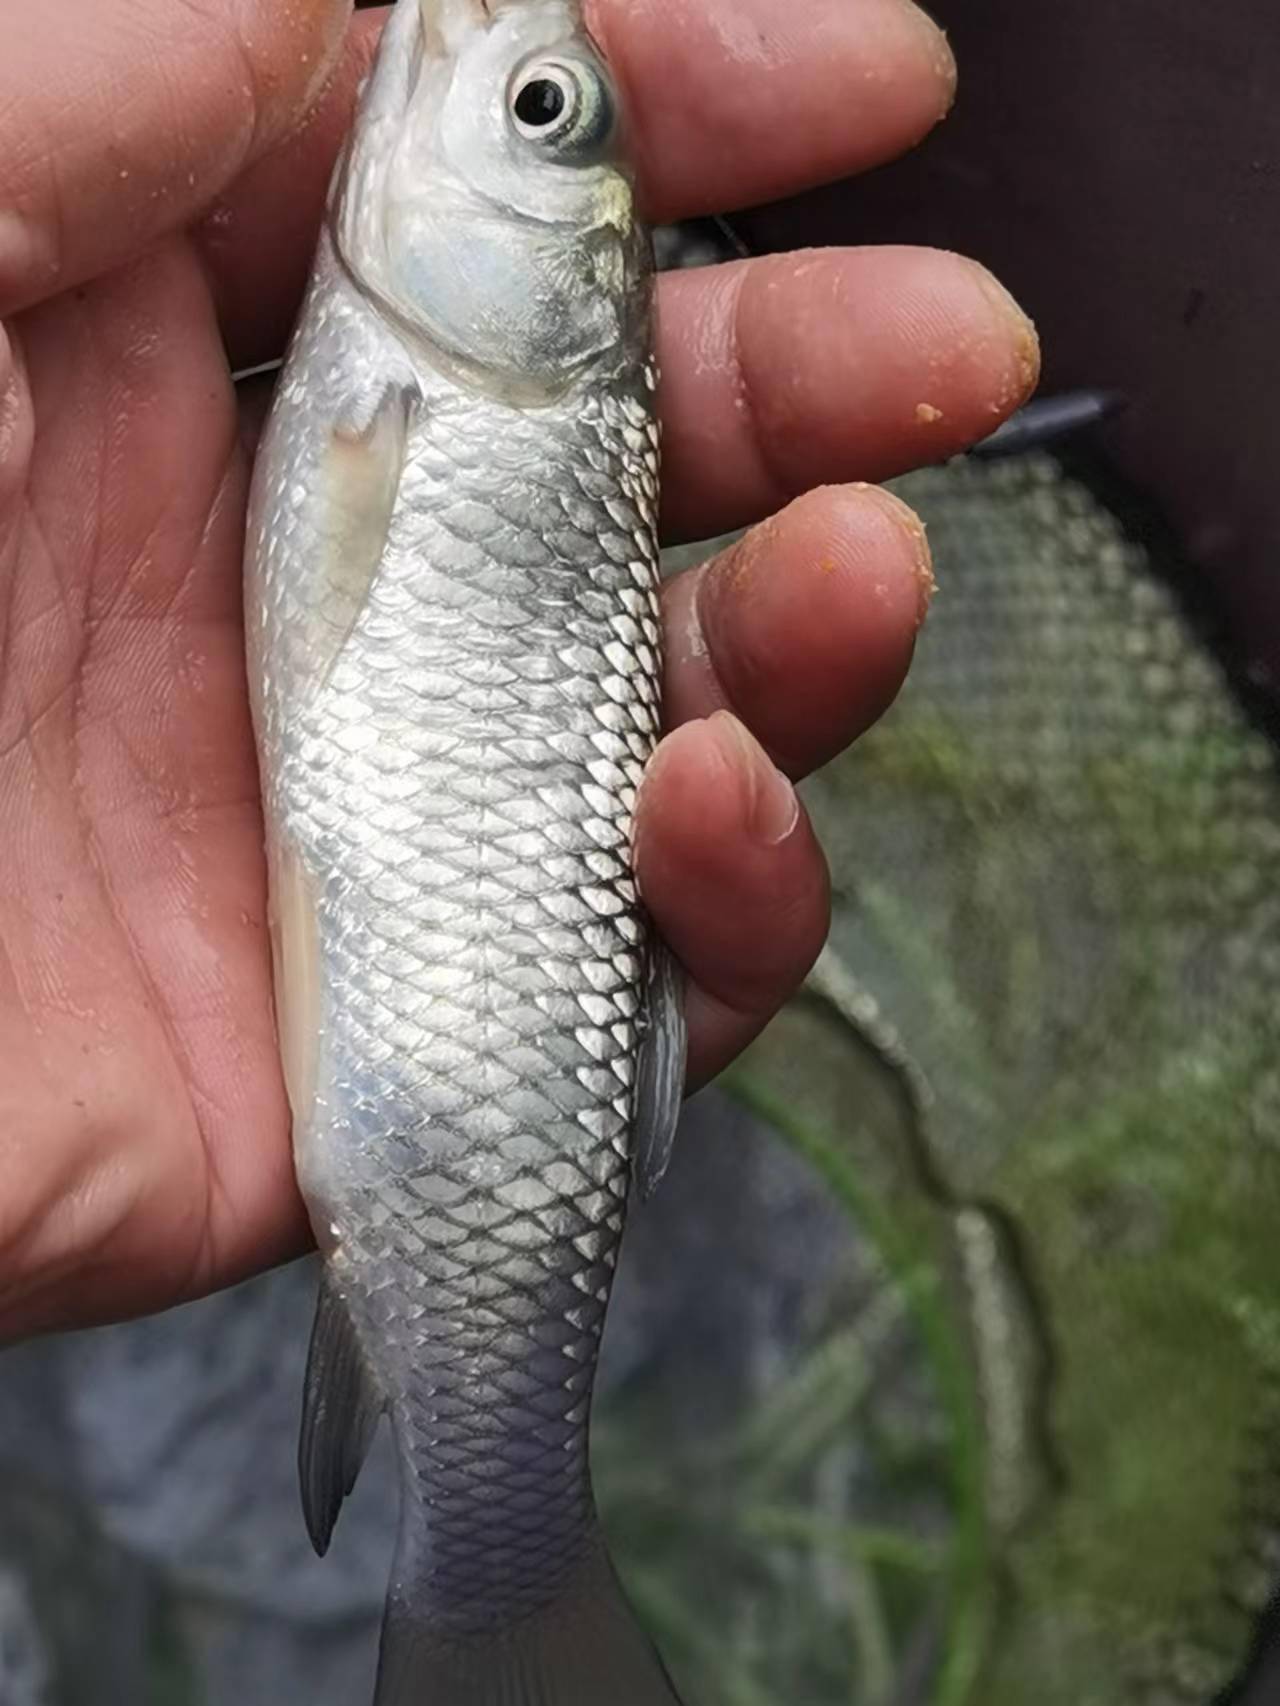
(540, 103)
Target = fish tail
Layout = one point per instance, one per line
(585, 1648)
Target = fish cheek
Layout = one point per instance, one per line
(526, 311)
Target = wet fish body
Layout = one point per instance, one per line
(452, 607)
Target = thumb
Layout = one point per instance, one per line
(121, 120)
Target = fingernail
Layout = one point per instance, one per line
(771, 808)
(1026, 340)
(908, 522)
(943, 59)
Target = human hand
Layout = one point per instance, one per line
(144, 1151)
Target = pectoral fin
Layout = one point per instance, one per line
(341, 1405)
(363, 465)
(661, 1071)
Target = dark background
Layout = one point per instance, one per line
(1119, 167)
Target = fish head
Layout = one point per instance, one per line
(485, 201)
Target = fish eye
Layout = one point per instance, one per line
(541, 103)
(563, 105)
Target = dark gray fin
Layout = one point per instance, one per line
(660, 1071)
(586, 1649)
(340, 1410)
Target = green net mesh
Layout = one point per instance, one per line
(1029, 1451)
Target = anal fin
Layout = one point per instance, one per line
(341, 1405)
(660, 1071)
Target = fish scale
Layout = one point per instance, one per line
(452, 921)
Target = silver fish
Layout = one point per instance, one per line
(454, 652)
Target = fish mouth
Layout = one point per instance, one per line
(442, 23)
(443, 18)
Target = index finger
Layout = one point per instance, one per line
(122, 119)
(742, 101)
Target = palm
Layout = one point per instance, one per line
(136, 997)
(144, 1150)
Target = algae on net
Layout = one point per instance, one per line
(1057, 878)
(771, 1447)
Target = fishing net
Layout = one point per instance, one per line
(1032, 1454)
